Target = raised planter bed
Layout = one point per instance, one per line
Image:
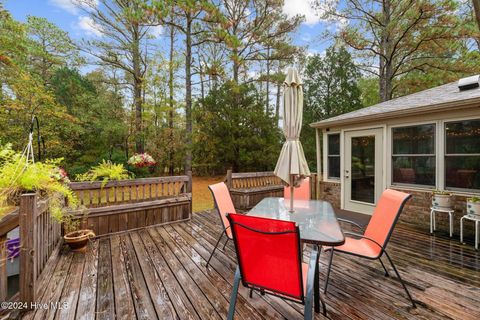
(132, 204)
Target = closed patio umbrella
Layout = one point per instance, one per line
(292, 166)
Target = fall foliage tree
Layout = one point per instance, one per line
(393, 38)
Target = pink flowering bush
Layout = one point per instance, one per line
(59, 174)
(141, 160)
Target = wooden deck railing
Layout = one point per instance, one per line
(39, 241)
(131, 204)
(249, 188)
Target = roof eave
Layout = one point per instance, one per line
(468, 103)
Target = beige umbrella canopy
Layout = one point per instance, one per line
(292, 166)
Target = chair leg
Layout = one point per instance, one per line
(215, 248)
(401, 280)
(316, 286)
(316, 293)
(225, 244)
(233, 297)
(386, 272)
(328, 272)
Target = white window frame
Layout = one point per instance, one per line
(444, 154)
(389, 154)
(325, 156)
(435, 154)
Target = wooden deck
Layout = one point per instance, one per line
(159, 273)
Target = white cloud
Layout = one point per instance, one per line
(72, 6)
(155, 31)
(88, 25)
(302, 7)
(312, 52)
(67, 5)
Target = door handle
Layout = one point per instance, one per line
(347, 174)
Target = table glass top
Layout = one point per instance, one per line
(315, 218)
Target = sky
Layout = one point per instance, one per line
(69, 18)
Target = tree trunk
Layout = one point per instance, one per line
(137, 90)
(476, 11)
(236, 66)
(385, 63)
(267, 106)
(277, 104)
(188, 92)
(171, 165)
(202, 81)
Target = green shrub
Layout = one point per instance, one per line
(105, 171)
(18, 176)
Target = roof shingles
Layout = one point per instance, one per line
(444, 94)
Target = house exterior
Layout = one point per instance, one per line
(417, 143)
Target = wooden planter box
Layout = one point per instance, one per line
(249, 188)
(132, 204)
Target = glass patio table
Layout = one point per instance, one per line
(316, 219)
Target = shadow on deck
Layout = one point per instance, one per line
(159, 273)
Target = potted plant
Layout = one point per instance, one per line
(473, 206)
(105, 171)
(77, 239)
(19, 175)
(441, 199)
(142, 161)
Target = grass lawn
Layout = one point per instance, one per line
(202, 198)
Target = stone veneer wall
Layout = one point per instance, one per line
(416, 211)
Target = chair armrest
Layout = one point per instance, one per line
(364, 237)
(351, 222)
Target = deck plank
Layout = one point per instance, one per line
(201, 304)
(121, 284)
(156, 288)
(105, 296)
(160, 273)
(141, 298)
(211, 290)
(245, 310)
(88, 289)
(55, 286)
(69, 298)
(179, 299)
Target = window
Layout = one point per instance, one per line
(413, 155)
(333, 156)
(462, 154)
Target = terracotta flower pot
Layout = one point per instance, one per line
(77, 240)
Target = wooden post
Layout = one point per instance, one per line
(229, 178)
(189, 184)
(3, 268)
(28, 236)
(189, 190)
(313, 186)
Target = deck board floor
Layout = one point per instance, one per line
(160, 273)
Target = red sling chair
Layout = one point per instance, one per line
(224, 205)
(372, 244)
(270, 261)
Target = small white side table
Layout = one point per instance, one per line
(434, 210)
(475, 219)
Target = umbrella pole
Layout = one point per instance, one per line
(292, 190)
